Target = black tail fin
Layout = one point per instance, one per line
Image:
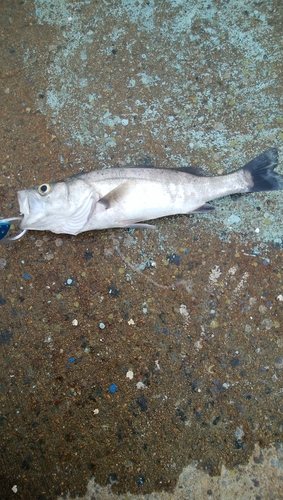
(261, 170)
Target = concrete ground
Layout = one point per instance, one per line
(138, 363)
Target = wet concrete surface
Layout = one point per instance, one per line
(142, 362)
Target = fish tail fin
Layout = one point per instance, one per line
(261, 170)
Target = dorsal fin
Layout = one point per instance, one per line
(188, 170)
(142, 165)
(191, 170)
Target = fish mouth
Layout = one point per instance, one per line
(31, 207)
(29, 203)
(23, 202)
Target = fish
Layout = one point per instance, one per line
(127, 197)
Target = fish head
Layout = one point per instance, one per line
(60, 207)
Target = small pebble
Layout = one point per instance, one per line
(239, 433)
(113, 291)
(140, 385)
(234, 362)
(214, 323)
(279, 363)
(141, 401)
(113, 478)
(130, 374)
(2, 264)
(267, 323)
(141, 481)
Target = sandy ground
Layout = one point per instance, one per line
(139, 363)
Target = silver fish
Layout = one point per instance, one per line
(127, 196)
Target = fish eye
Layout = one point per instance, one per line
(44, 188)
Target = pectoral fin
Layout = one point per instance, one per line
(115, 196)
(203, 209)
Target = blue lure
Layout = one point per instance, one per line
(5, 227)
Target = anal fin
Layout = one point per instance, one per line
(135, 225)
